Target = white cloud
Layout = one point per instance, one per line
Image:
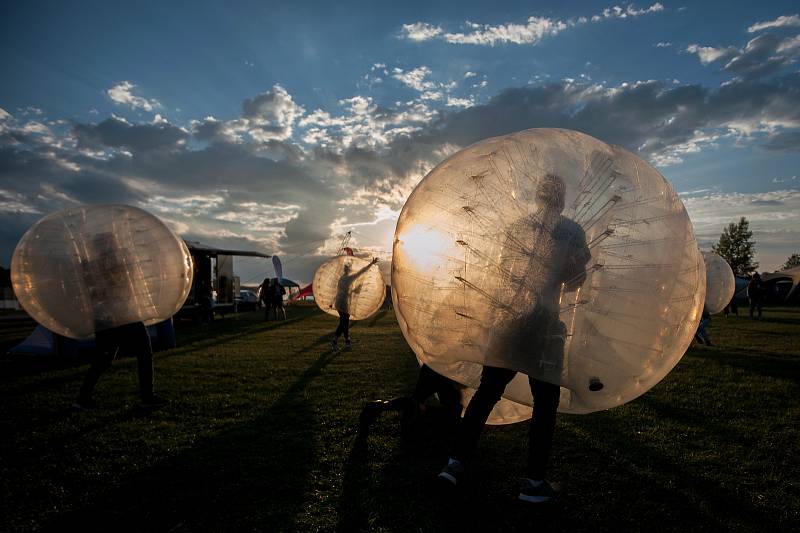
(709, 54)
(414, 78)
(12, 202)
(470, 74)
(780, 22)
(122, 93)
(459, 102)
(271, 115)
(533, 30)
(4, 115)
(663, 44)
(617, 12)
(420, 31)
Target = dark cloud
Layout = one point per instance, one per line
(761, 57)
(117, 133)
(329, 187)
(787, 141)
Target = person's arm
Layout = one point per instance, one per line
(580, 257)
(363, 270)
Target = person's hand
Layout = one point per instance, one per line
(374, 260)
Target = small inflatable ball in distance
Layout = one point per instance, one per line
(91, 268)
(554, 254)
(720, 282)
(349, 284)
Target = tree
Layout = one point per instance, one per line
(737, 247)
(793, 261)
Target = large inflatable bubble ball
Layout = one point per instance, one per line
(95, 267)
(348, 284)
(554, 254)
(720, 282)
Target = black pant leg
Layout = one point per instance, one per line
(137, 343)
(107, 346)
(543, 423)
(431, 382)
(493, 382)
(344, 326)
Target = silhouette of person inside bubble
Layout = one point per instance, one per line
(543, 254)
(341, 303)
(118, 331)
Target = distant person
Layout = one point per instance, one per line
(542, 253)
(731, 308)
(411, 408)
(755, 293)
(702, 334)
(111, 303)
(265, 297)
(277, 299)
(341, 303)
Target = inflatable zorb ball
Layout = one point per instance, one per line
(553, 254)
(720, 282)
(91, 268)
(348, 284)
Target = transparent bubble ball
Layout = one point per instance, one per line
(349, 284)
(720, 282)
(91, 268)
(554, 254)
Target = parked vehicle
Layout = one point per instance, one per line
(247, 300)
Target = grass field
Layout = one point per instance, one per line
(261, 434)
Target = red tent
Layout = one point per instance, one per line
(305, 291)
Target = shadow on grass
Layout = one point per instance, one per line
(254, 475)
(374, 318)
(767, 364)
(664, 485)
(34, 365)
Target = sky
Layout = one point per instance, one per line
(279, 126)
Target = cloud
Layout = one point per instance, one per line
(122, 93)
(764, 55)
(774, 219)
(117, 133)
(531, 31)
(420, 31)
(780, 22)
(362, 159)
(709, 54)
(271, 114)
(414, 78)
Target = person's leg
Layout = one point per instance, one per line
(545, 405)
(760, 307)
(346, 327)
(340, 328)
(493, 382)
(107, 346)
(752, 307)
(137, 343)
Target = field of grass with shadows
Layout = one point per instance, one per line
(261, 434)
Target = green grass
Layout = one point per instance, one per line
(261, 434)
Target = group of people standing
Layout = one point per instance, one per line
(756, 295)
(270, 294)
